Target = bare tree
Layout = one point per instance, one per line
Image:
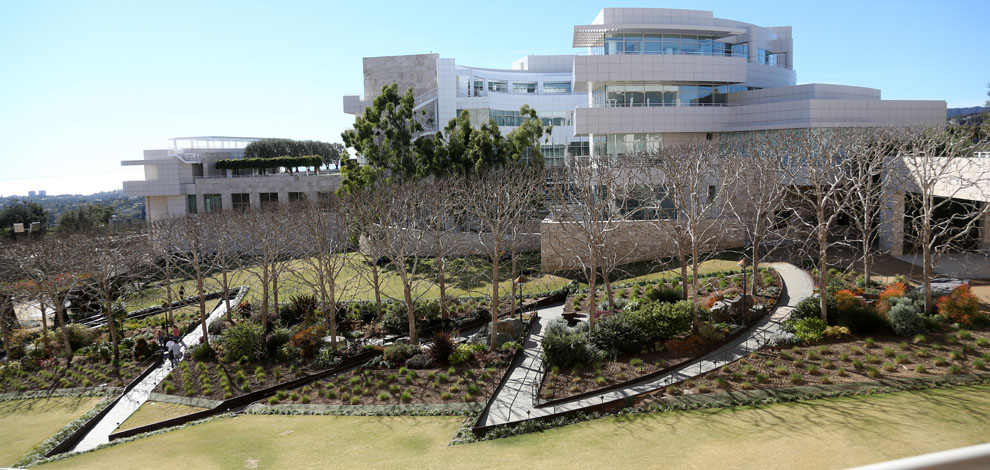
(867, 162)
(364, 212)
(816, 190)
(264, 233)
(226, 245)
(403, 213)
(325, 231)
(53, 267)
(944, 186)
(162, 248)
(191, 239)
(110, 258)
(758, 161)
(499, 201)
(698, 182)
(9, 276)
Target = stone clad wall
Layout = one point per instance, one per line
(562, 247)
(464, 243)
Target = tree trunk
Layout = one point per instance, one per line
(927, 274)
(608, 288)
(275, 290)
(112, 323)
(226, 294)
(494, 340)
(755, 260)
(60, 319)
(6, 311)
(407, 293)
(443, 291)
(512, 294)
(44, 318)
(823, 272)
(202, 309)
(684, 276)
(694, 285)
(867, 231)
(378, 291)
(332, 307)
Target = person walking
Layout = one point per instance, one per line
(176, 352)
(168, 352)
(182, 292)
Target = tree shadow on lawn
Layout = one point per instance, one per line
(39, 405)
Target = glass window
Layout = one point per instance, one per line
(498, 86)
(557, 87)
(211, 203)
(654, 95)
(524, 87)
(671, 44)
(634, 96)
(241, 200)
(705, 46)
(613, 44)
(268, 199)
(479, 87)
(652, 44)
(297, 197)
(633, 44)
(191, 204)
(740, 50)
(689, 45)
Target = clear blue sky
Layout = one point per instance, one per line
(84, 85)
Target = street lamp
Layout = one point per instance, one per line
(744, 263)
(519, 281)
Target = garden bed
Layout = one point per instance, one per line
(79, 374)
(851, 361)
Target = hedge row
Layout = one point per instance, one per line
(264, 163)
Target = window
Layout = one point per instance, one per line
(211, 203)
(621, 144)
(740, 50)
(557, 87)
(524, 87)
(479, 87)
(498, 86)
(241, 201)
(191, 204)
(297, 197)
(268, 199)
(712, 192)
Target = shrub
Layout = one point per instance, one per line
(892, 291)
(202, 352)
(245, 339)
(955, 369)
(397, 354)
(619, 333)
(280, 337)
(464, 353)
(836, 332)
(142, 349)
(309, 340)
(807, 308)
(79, 336)
(564, 346)
(300, 308)
(809, 329)
(960, 306)
(904, 317)
(442, 347)
(326, 358)
(661, 320)
(289, 354)
(664, 294)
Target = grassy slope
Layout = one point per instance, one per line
(471, 280)
(26, 423)
(819, 434)
(152, 412)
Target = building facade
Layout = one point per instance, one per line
(184, 180)
(641, 77)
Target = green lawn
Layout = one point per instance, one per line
(819, 434)
(470, 278)
(26, 423)
(153, 412)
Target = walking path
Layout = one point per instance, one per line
(123, 409)
(515, 402)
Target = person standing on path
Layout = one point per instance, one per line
(176, 352)
(182, 292)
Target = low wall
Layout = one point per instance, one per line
(463, 243)
(563, 247)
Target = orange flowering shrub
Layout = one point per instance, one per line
(892, 291)
(847, 301)
(710, 301)
(961, 305)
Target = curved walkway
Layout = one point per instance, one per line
(515, 402)
(129, 403)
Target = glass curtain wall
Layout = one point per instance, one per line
(656, 95)
(671, 44)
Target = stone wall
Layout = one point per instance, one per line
(562, 247)
(463, 243)
(418, 72)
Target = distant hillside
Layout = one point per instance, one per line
(956, 112)
(124, 208)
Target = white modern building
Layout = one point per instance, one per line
(641, 77)
(184, 179)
